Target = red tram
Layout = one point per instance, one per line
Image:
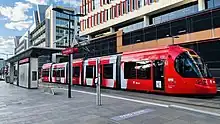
(171, 70)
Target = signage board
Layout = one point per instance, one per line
(70, 50)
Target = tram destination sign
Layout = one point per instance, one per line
(70, 50)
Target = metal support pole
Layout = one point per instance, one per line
(70, 65)
(172, 40)
(98, 84)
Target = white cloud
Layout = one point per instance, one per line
(19, 25)
(16, 13)
(38, 1)
(6, 46)
(74, 3)
(16, 16)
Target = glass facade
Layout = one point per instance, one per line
(38, 36)
(38, 31)
(60, 32)
(133, 27)
(63, 23)
(194, 23)
(175, 13)
(64, 16)
(212, 3)
(99, 47)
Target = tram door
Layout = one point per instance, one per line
(158, 74)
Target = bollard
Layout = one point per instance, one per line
(98, 93)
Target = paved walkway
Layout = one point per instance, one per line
(23, 106)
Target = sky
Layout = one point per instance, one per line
(16, 16)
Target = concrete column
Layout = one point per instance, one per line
(146, 21)
(11, 72)
(54, 58)
(142, 3)
(89, 37)
(112, 30)
(201, 4)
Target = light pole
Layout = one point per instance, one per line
(61, 10)
(172, 37)
(6, 54)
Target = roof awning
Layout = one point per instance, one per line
(34, 52)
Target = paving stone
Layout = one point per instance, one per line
(24, 106)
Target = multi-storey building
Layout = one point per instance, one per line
(140, 24)
(50, 29)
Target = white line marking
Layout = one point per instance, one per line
(149, 103)
(195, 110)
(137, 101)
(122, 98)
(132, 114)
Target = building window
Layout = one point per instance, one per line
(178, 27)
(139, 3)
(93, 4)
(110, 12)
(128, 5)
(94, 20)
(134, 4)
(212, 3)
(204, 20)
(216, 19)
(98, 20)
(86, 8)
(107, 16)
(124, 7)
(115, 11)
(119, 10)
(175, 13)
(163, 30)
(101, 16)
(87, 22)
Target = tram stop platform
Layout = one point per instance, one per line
(24, 106)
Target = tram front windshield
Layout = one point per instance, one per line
(190, 65)
(200, 65)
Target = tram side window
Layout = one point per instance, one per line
(54, 72)
(143, 70)
(89, 71)
(108, 71)
(129, 70)
(76, 71)
(45, 73)
(58, 73)
(62, 71)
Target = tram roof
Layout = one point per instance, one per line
(34, 52)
